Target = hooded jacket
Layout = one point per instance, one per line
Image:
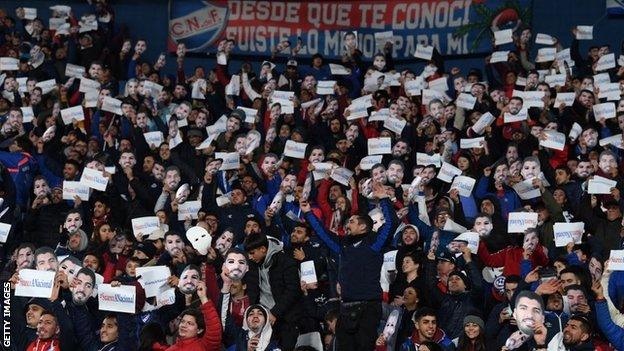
(282, 274)
(452, 308)
(440, 338)
(265, 343)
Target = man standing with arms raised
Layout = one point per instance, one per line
(358, 273)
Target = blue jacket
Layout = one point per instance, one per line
(613, 332)
(359, 269)
(22, 167)
(508, 202)
(426, 231)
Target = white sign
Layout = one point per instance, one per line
(464, 185)
(47, 86)
(395, 125)
(429, 94)
(609, 91)
(94, 179)
(568, 233)
(91, 98)
(188, 209)
(600, 185)
(605, 110)
(28, 114)
(554, 80)
(87, 84)
(522, 115)
(145, 225)
(503, 37)
(440, 84)
(518, 222)
(153, 278)
(308, 272)
(250, 114)
(554, 140)
(71, 114)
(533, 99)
(472, 143)
(499, 56)
(75, 71)
(338, 70)
(546, 55)
(601, 79)
(5, 229)
(9, 64)
(34, 283)
(231, 160)
(381, 115)
(565, 98)
(414, 87)
(584, 32)
(615, 140)
(154, 139)
(112, 105)
(526, 191)
(466, 101)
(342, 175)
(294, 149)
(358, 111)
(616, 260)
(119, 299)
(447, 172)
(30, 13)
(423, 51)
(544, 39)
(368, 162)
(321, 169)
(71, 189)
(233, 87)
(379, 146)
(423, 159)
(484, 121)
(605, 62)
(325, 87)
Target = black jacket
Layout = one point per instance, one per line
(284, 282)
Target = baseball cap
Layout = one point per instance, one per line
(446, 256)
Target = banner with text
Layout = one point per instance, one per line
(454, 27)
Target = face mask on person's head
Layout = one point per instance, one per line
(379, 62)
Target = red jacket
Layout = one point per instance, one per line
(510, 258)
(47, 345)
(211, 341)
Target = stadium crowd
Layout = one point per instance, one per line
(308, 206)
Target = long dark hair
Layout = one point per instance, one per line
(464, 343)
(150, 334)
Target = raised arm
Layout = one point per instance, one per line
(317, 226)
(384, 231)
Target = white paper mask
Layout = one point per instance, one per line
(391, 324)
(252, 141)
(224, 242)
(199, 238)
(182, 194)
